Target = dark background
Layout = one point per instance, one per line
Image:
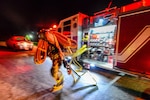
(20, 16)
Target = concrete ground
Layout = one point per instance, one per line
(21, 79)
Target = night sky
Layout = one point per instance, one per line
(21, 15)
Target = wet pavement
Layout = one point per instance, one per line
(21, 79)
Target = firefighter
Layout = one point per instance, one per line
(54, 54)
(49, 44)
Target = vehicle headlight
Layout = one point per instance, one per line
(25, 44)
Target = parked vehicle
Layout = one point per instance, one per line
(19, 43)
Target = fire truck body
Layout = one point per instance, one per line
(133, 42)
(130, 25)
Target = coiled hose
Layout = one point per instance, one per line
(41, 52)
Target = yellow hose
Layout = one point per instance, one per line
(41, 52)
(74, 55)
(80, 51)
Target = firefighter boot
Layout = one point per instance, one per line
(59, 84)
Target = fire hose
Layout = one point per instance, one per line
(41, 52)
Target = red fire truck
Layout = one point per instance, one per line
(132, 52)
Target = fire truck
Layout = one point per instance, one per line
(132, 52)
(124, 31)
